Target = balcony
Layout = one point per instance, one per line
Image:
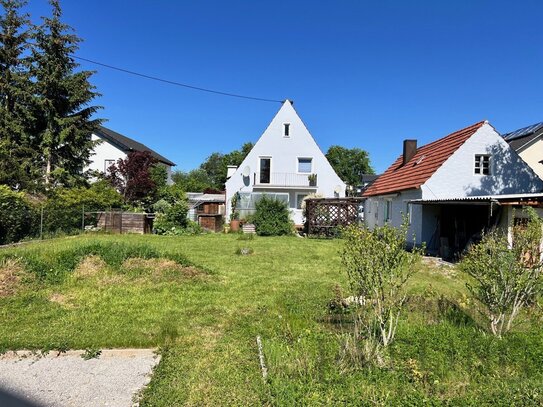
(285, 180)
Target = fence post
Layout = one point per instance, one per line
(82, 218)
(41, 223)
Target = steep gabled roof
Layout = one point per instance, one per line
(422, 166)
(519, 138)
(127, 144)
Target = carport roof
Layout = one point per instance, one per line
(505, 199)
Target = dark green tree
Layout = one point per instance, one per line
(216, 164)
(18, 160)
(349, 164)
(193, 181)
(64, 94)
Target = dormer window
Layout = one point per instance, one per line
(482, 164)
(286, 129)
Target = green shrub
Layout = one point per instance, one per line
(272, 217)
(19, 218)
(64, 209)
(506, 279)
(173, 220)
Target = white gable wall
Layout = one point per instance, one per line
(103, 151)
(456, 177)
(284, 153)
(532, 154)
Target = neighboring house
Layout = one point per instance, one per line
(285, 163)
(207, 209)
(451, 189)
(528, 143)
(114, 146)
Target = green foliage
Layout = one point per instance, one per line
(91, 353)
(349, 164)
(173, 220)
(193, 181)
(215, 166)
(63, 210)
(64, 114)
(378, 266)
(18, 216)
(272, 217)
(506, 279)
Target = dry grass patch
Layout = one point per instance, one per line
(90, 266)
(159, 267)
(12, 273)
(66, 301)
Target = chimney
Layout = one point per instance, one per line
(409, 150)
(231, 169)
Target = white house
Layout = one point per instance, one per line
(285, 163)
(453, 188)
(113, 146)
(528, 143)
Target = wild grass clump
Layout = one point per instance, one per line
(244, 251)
(246, 236)
(53, 267)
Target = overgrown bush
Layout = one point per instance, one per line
(378, 266)
(506, 279)
(173, 220)
(64, 208)
(18, 216)
(272, 217)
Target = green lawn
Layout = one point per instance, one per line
(205, 319)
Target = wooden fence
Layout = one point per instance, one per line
(324, 216)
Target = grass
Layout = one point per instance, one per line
(206, 305)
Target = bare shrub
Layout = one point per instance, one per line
(378, 266)
(505, 278)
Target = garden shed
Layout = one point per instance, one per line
(125, 222)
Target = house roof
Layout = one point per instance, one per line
(127, 144)
(519, 138)
(422, 166)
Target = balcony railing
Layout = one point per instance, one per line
(286, 179)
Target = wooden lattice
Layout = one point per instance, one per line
(324, 216)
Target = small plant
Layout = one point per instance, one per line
(506, 279)
(244, 251)
(246, 236)
(234, 213)
(378, 266)
(312, 179)
(91, 353)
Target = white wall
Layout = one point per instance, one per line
(456, 177)
(532, 155)
(284, 153)
(103, 151)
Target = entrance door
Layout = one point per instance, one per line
(265, 168)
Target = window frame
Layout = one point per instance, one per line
(298, 165)
(478, 164)
(286, 130)
(304, 194)
(260, 158)
(107, 166)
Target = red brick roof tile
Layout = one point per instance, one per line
(422, 166)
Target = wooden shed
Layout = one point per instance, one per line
(125, 222)
(208, 210)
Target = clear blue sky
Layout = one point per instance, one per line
(362, 74)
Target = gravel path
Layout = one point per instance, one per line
(113, 379)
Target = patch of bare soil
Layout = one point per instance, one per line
(64, 300)
(159, 267)
(90, 266)
(11, 276)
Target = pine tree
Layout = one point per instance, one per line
(17, 156)
(65, 114)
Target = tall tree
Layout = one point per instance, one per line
(65, 95)
(216, 164)
(17, 155)
(349, 164)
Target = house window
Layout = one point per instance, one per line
(388, 207)
(407, 214)
(286, 129)
(107, 164)
(482, 164)
(304, 165)
(265, 170)
(299, 200)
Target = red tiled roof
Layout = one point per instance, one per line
(422, 166)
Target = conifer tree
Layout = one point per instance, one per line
(64, 94)
(18, 159)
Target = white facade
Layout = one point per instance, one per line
(280, 163)
(456, 179)
(532, 153)
(105, 154)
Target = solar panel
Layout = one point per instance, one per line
(525, 131)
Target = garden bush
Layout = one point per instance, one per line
(64, 208)
(19, 216)
(272, 217)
